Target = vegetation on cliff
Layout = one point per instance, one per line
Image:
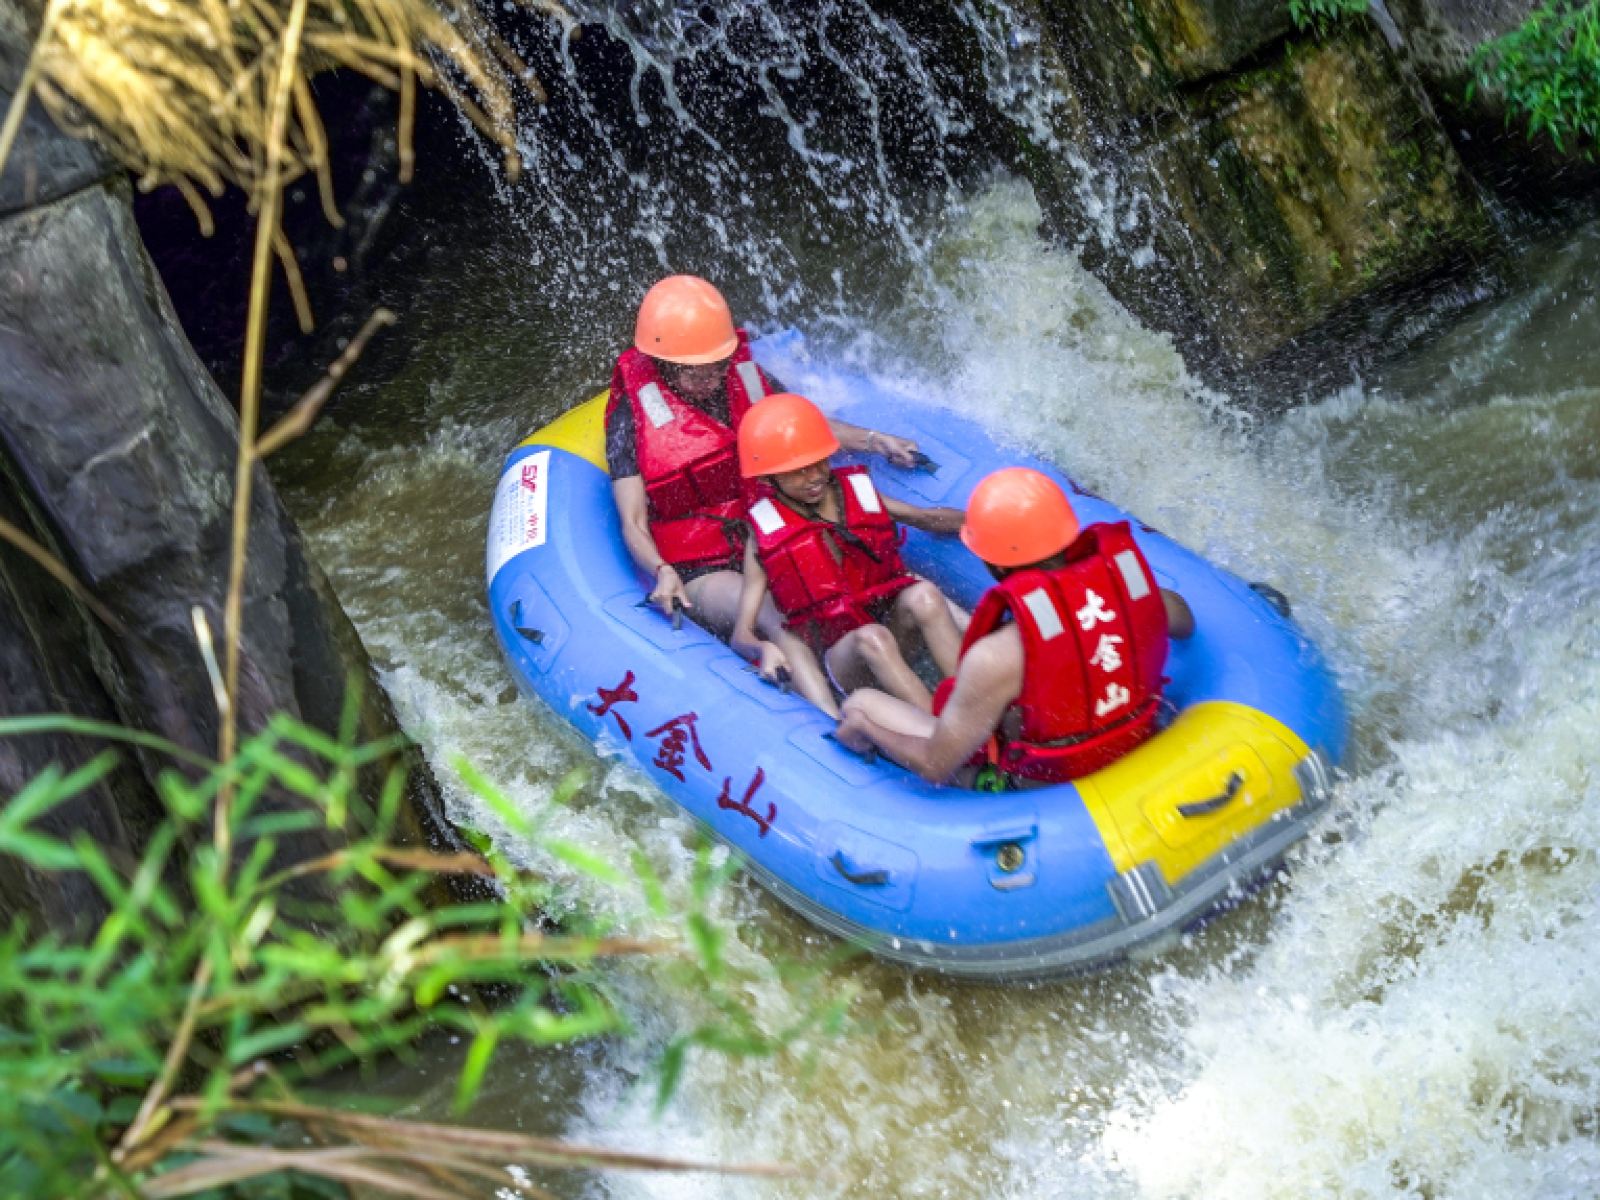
(1546, 70)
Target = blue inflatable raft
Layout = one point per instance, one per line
(999, 887)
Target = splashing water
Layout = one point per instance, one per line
(1414, 1010)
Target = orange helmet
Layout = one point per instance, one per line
(1018, 517)
(683, 319)
(783, 433)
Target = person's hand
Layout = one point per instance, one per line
(669, 589)
(772, 661)
(902, 452)
(853, 731)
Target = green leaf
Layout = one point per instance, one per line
(479, 1055)
(570, 785)
(185, 801)
(707, 939)
(123, 1072)
(76, 1107)
(590, 864)
(654, 894)
(276, 824)
(286, 728)
(38, 851)
(670, 1071)
(267, 1041)
(515, 819)
(50, 788)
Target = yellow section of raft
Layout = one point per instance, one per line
(580, 431)
(1137, 803)
(1210, 750)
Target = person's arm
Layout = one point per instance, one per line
(1180, 617)
(934, 520)
(768, 657)
(752, 590)
(902, 452)
(989, 680)
(635, 513)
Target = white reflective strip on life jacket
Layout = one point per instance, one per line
(1045, 616)
(866, 494)
(1133, 577)
(750, 376)
(655, 405)
(766, 516)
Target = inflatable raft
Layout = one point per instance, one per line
(1013, 886)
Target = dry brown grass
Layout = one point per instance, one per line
(181, 90)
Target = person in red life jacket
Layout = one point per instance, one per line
(825, 546)
(1060, 669)
(677, 396)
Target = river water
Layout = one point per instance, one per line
(1413, 1011)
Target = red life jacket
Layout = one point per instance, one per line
(1094, 641)
(826, 579)
(689, 461)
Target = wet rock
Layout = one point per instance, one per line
(1193, 39)
(1303, 186)
(1127, 60)
(121, 450)
(43, 165)
(1301, 191)
(125, 447)
(43, 669)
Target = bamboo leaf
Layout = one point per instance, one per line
(514, 818)
(650, 883)
(267, 1041)
(44, 853)
(479, 1055)
(590, 864)
(669, 1072)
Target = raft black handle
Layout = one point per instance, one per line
(677, 610)
(1204, 808)
(874, 878)
(536, 636)
(921, 462)
(1279, 602)
(868, 756)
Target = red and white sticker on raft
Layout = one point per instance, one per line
(517, 520)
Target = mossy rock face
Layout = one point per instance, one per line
(1305, 184)
(1282, 194)
(1127, 59)
(1194, 39)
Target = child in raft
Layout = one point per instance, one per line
(826, 544)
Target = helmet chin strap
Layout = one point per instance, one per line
(838, 530)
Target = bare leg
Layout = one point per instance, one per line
(923, 608)
(716, 606)
(959, 615)
(891, 713)
(715, 600)
(803, 664)
(870, 654)
(900, 717)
